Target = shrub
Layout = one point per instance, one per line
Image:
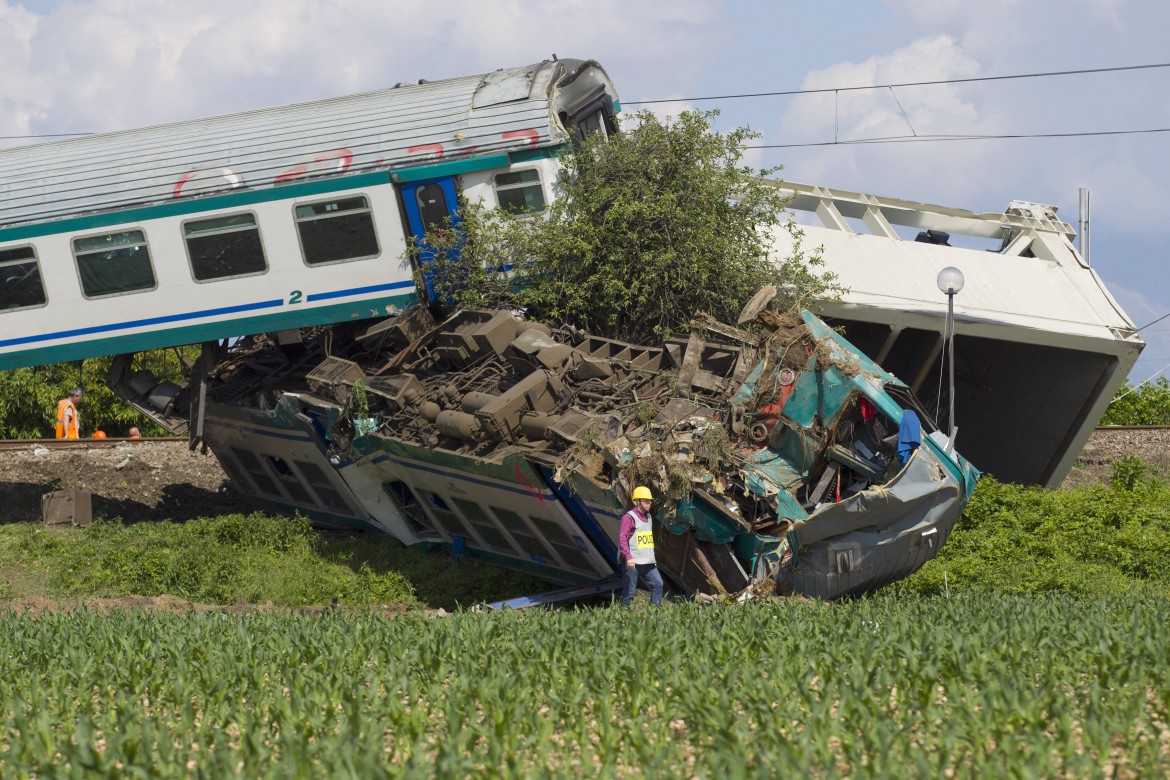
(1147, 404)
(1098, 539)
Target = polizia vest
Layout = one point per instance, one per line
(642, 542)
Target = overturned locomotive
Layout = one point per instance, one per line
(782, 456)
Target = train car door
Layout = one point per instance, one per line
(430, 204)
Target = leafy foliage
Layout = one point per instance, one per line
(251, 558)
(1128, 473)
(29, 396)
(469, 263)
(1148, 404)
(651, 226)
(1012, 687)
(359, 402)
(1090, 540)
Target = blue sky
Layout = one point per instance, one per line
(95, 65)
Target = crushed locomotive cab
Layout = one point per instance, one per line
(780, 454)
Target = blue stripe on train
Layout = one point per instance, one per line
(358, 291)
(583, 515)
(194, 332)
(198, 314)
(64, 334)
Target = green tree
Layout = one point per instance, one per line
(652, 226)
(1147, 404)
(29, 396)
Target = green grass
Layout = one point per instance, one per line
(1105, 539)
(250, 558)
(1015, 686)
(1101, 540)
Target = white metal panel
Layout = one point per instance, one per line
(1045, 296)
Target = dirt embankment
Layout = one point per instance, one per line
(135, 482)
(1107, 446)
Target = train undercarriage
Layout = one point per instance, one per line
(780, 456)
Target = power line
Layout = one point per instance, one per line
(823, 90)
(904, 139)
(1148, 324)
(970, 80)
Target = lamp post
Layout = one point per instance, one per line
(950, 281)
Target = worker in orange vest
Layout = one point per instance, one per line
(68, 420)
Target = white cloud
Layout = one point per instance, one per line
(999, 37)
(889, 114)
(22, 96)
(94, 65)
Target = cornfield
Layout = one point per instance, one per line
(1019, 687)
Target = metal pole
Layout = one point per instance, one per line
(951, 359)
(1083, 237)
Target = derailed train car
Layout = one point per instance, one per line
(510, 441)
(782, 457)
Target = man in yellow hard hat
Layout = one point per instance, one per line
(636, 549)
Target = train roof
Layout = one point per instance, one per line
(406, 125)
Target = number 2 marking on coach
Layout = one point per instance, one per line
(294, 297)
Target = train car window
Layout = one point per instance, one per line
(432, 206)
(487, 528)
(289, 481)
(20, 279)
(336, 230)
(594, 123)
(235, 472)
(446, 519)
(520, 191)
(529, 542)
(224, 247)
(322, 487)
(257, 472)
(570, 553)
(411, 510)
(114, 263)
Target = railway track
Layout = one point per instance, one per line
(65, 444)
(68, 444)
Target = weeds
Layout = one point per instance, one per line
(251, 558)
(1039, 686)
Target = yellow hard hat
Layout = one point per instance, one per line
(643, 492)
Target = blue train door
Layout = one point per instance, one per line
(429, 204)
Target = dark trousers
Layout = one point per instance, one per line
(651, 580)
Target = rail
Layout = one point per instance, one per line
(66, 444)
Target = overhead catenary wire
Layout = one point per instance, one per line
(934, 82)
(821, 90)
(902, 139)
(915, 137)
(1145, 381)
(1154, 322)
